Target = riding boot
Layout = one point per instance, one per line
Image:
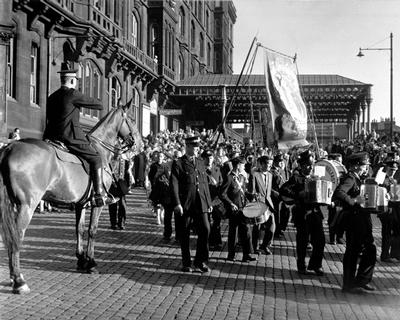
(100, 199)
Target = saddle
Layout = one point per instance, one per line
(63, 154)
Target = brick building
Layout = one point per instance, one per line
(125, 49)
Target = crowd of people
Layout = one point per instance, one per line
(198, 183)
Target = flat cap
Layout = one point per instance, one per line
(358, 158)
(193, 140)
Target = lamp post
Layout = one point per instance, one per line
(360, 54)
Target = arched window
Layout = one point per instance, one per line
(182, 21)
(193, 35)
(181, 68)
(201, 45)
(11, 70)
(134, 29)
(34, 73)
(114, 92)
(90, 84)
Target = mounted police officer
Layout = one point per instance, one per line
(308, 217)
(62, 124)
(192, 201)
(359, 238)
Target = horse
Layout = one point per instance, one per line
(31, 171)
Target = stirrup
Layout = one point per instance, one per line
(99, 200)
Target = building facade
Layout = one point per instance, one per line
(123, 49)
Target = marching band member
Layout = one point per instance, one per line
(390, 217)
(307, 217)
(260, 184)
(233, 192)
(359, 238)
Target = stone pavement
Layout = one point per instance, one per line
(140, 278)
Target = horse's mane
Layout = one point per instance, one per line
(106, 117)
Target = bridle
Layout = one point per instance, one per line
(128, 140)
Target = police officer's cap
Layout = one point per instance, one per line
(359, 158)
(306, 157)
(66, 70)
(264, 159)
(193, 140)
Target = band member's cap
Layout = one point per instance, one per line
(358, 158)
(278, 158)
(334, 156)
(207, 153)
(238, 159)
(193, 140)
(306, 157)
(66, 70)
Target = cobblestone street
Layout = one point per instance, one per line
(140, 278)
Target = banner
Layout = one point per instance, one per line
(288, 114)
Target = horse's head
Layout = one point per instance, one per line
(118, 122)
(128, 131)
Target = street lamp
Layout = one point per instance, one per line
(360, 55)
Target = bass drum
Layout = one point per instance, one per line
(333, 171)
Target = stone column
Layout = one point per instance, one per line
(348, 125)
(6, 33)
(368, 101)
(363, 106)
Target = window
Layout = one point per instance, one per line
(34, 74)
(89, 84)
(200, 13)
(10, 56)
(201, 45)
(116, 11)
(107, 7)
(207, 20)
(114, 92)
(134, 30)
(181, 21)
(181, 68)
(193, 35)
(135, 105)
(153, 40)
(208, 54)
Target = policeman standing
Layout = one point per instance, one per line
(62, 124)
(359, 238)
(192, 201)
(308, 217)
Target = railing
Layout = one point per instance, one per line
(140, 56)
(167, 72)
(100, 19)
(66, 4)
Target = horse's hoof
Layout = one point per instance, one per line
(21, 289)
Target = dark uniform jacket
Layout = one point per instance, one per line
(189, 180)
(278, 179)
(62, 115)
(292, 189)
(348, 190)
(234, 192)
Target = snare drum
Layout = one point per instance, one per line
(332, 171)
(318, 191)
(256, 212)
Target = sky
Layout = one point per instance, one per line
(326, 36)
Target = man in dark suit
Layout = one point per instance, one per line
(308, 217)
(359, 238)
(62, 124)
(192, 201)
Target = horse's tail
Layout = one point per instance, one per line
(10, 233)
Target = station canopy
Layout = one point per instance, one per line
(332, 98)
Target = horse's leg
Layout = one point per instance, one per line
(22, 221)
(80, 230)
(94, 221)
